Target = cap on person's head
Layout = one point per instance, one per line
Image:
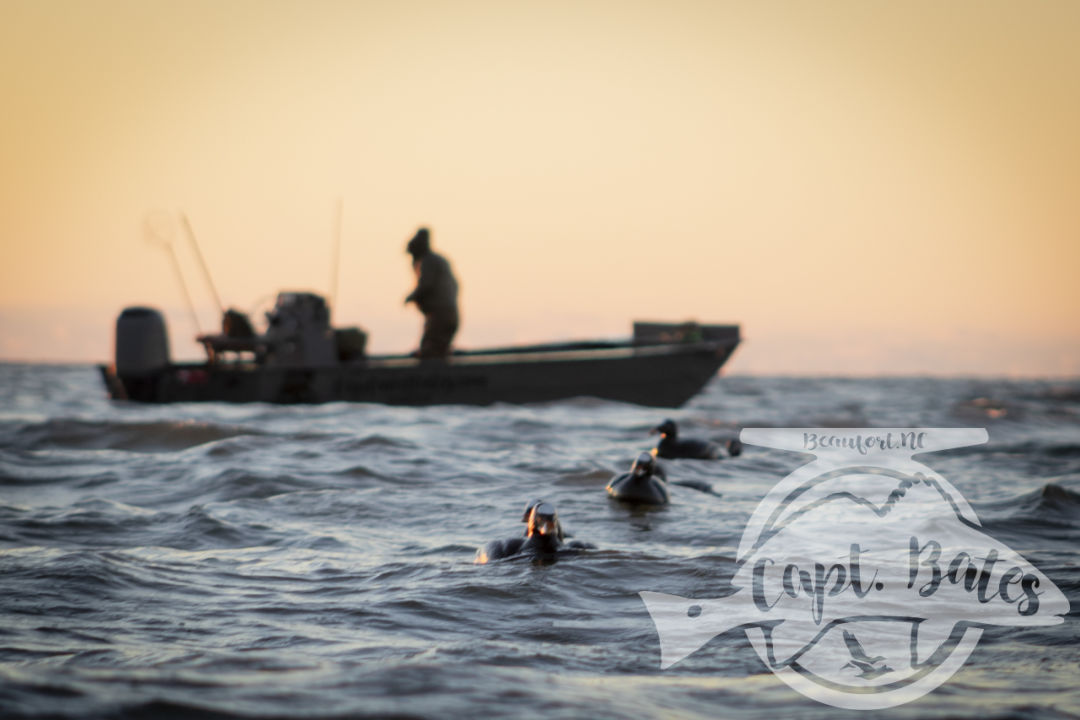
(420, 243)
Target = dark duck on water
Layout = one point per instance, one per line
(671, 447)
(544, 537)
(643, 485)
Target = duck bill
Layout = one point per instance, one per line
(546, 527)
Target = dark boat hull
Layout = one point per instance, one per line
(658, 375)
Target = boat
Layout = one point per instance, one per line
(300, 358)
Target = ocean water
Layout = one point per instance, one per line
(317, 561)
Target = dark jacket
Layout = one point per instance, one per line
(436, 287)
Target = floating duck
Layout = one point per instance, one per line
(671, 447)
(544, 536)
(642, 485)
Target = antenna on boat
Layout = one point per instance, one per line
(155, 234)
(202, 263)
(335, 254)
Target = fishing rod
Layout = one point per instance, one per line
(154, 236)
(202, 263)
(335, 254)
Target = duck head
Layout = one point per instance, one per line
(666, 429)
(644, 466)
(542, 522)
(734, 447)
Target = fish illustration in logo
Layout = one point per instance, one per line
(863, 578)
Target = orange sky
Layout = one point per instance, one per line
(865, 187)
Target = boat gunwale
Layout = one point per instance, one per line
(480, 358)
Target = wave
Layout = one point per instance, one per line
(1035, 450)
(1050, 513)
(1032, 448)
(1051, 498)
(76, 582)
(372, 442)
(244, 484)
(12, 475)
(1057, 499)
(155, 436)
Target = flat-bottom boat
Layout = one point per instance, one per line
(301, 359)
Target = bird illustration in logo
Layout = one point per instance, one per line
(867, 665)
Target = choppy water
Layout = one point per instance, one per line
(318, 561)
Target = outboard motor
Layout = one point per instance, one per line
(142, 343)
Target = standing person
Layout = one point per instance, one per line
(435, 295)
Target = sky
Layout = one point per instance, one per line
(867, 188)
